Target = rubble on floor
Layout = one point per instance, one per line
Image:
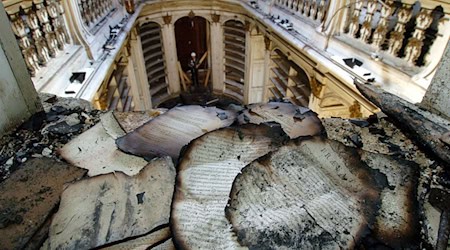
(45, 132)
(286, 179)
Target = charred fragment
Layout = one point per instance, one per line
(205, 175)
(104, 209)
(96, 150)
(426, 128)
(130, 121)
(397, 223)
(310, 194)
(169, 132)
(440, 199)
(296, 121)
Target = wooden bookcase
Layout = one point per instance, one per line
(234, 46)
(288, 81)
(154, 62)
(119, 96)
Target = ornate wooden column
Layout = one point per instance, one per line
(170, 54)
(217, 54)
(256, 67)
(137, 74)
(267, 62)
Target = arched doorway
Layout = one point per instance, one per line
(191, 34)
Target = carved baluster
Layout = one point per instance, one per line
(295, 6)
(39, 41)
(19, 29)
(289, 4)
(61, 31)
(49, 35)
(379, 35)
(92, 11)
(98, 10)
(300, 6)
(321, 11)
(52, 11)
(313, 10)
(354, 21)
(366, 28)
(103, 8)
(306, 7)
(18, 26)
(84, 12)
(109, 5)
(398, 34)
(415, 43)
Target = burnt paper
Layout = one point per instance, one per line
(105, 209)
(309, 194)
(169, 132)
(205, 175)
(96, 151)
(296, 121)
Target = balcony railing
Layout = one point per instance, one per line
(314, 10)
(401, 30)
(40, 31)
(94, 11)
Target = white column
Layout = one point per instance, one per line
(171, 58)
(138, 75)
(256, 67)
(217, 57)
(437, 97)
(76, 25)
(18, 97)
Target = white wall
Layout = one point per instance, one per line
(18, 98)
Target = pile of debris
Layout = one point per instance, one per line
(40, 136)
(262, 176)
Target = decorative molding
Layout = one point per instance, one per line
(247, 25)
(355, 110)
(215, 18)
(267, 42)
(191, 14)
(316, 87)
(167, 19)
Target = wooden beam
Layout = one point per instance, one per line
(202, 59)
(180, 71)
(205, 82)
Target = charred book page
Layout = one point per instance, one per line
(96, 151)
(205, 175)
(310, 194)
(296, 121)
(109, 208)
(169, 132)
